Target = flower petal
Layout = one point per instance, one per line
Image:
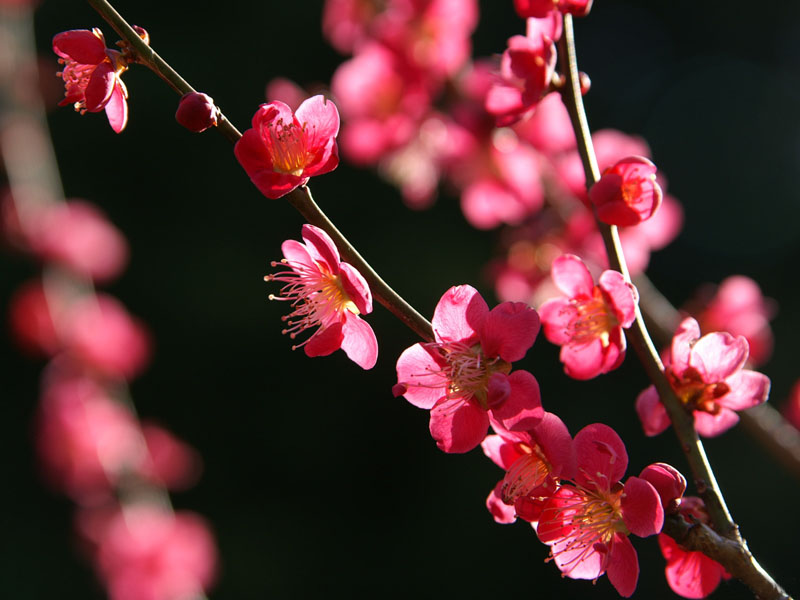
(117, 108)
(501, 451)
(623, 566)
(557, 315)
(641, 508)
(356, 288)
(359, 343)
(100, 87)
(602, 459)
(687, 334)
(81, 45)
(321, 247)
(747, 389)
(555, 441)
(502, 512)
(320, 119)
(522, 409)
(622, 294)
(718, 355)
(571, 276)
(689, 574)
(459, 314)
(419, 372)
(325, 341)
(651, 412)
(457, 425)
(509, 330)
(709, 425)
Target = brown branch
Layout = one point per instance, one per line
(747, 571)
(300, 199)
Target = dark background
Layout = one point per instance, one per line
(317, 481)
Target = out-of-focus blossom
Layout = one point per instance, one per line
(382, 101)
(739, 307)
(101, 334)
(286, 91)
(33, 313)
(587, 323)
(92, 75)
(144, 552)
(627, 192)
(283, 149)
(465, 375)
(548, 128)
(534, 460)
(85, 439)
(327, 294)
(196, 112)
(707, 376)
(346, 23)
(526, 68)
(690, 574)
(587, 524)
(169, 461)
(541, 8)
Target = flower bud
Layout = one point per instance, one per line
(196, 112)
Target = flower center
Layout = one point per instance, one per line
(287, 147)
(594, 320)
(528, 472)
(316, 296)
(694, 393)
(468, 371)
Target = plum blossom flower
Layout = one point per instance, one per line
(197, 112)
(283, 149)
(328, 294)
(464, 376)
(587, 524)
(627, 192)
(92, 75)
(707, 376)
(690, 574)
(534, 460)
(588, 322)
(540, 8)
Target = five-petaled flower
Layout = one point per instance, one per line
(588, 322)
(464, 376)
(707, 376)
(587, 524)
(627, 193)
(326, 293)
(282, 150)
(92, 75)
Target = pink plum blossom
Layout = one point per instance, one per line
(540, 8)
(534, 461)
(168, 461)
(627, 192)
(707, 376)
(690, 574)
(346, 23)
(146, 552)
(465, 375)
(196, 112)
(587, 524)
(526, 68)
(33, 313)
(327, 294)
(284, 149)
(588, 321)
(92, 75)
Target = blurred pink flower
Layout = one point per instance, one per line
(284, 149)
(465, 375)
(540, 8)
(31, 318)
(707, 376)
(328, 294)
(92, 75)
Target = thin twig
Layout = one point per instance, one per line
(747, 568)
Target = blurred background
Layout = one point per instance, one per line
(316, 480)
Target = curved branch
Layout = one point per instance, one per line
(748, 571)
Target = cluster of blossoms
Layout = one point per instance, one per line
(91, 445)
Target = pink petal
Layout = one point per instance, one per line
(601, 456)
(509, 330)
(557, 315)
(459, 315)
(100, 87)
(251, 152)
(117, 108)
(420, 372)
(321, 247)
(689, 574)
(271, 112)
(497, 390)
(325, 160)
(457, 425)
(356, 288)
(571, 276)
(623, 566)
(325, 341)
(502, 452)
(747, 389)
(81, 45)
(641, 508)
(718, 355)
(668, 482)
(298, 257)
(651, 412)
(487, 203)
(555, 441)
(502, 512)
(687, 334)
(359, 343)
(709, 425)
(276, 185)
(589, 359)
(522, 409)
(623, 296)
(320, 119)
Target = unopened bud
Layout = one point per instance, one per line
(196, 112)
